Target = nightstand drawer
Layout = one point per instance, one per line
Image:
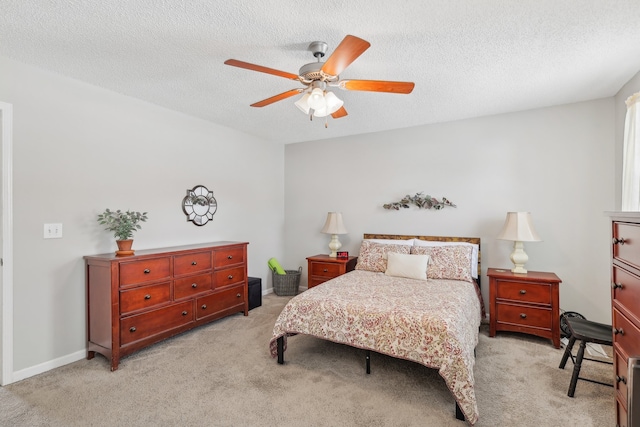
(326, 269)
(524, 315)
(539, 293)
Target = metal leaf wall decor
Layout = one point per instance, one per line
(421, 201)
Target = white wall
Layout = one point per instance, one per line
(79, 149)
(557, 163)
(631, 87)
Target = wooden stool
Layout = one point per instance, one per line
(584, 331)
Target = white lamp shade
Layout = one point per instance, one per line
(334, 224)
(316, 99)
(333, 102)
(303, 103)
(518, 227)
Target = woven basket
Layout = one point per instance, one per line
(286, 284)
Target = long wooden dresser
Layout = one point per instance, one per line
(135, 301)
(625, 301)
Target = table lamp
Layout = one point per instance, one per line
(518, 228)
(334, 226)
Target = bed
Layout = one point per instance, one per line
(410, 297)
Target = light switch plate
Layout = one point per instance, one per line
(53, 231)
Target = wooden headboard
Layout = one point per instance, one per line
(474, 240)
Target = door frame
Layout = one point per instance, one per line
(6, 358)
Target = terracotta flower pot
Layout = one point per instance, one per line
(124, 247)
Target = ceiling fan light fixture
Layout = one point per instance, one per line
(333, 102)
(303, 103)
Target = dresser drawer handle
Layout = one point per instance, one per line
(147, 271)
(184, 313)
(522, 291)
(620, 379)
(523, 316)
(617, 331)
(230, 277)
(204, 306)
(617, 286)
(238, 295)
(132, 329)
(325, 270)
(147, 296)
(194, 285)
(617, 241)
(230, 257)
(194, 263)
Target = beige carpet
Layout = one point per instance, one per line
(222, 375)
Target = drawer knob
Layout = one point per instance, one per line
(522, 291)
(238, 295)
(194, 285)
(617, 331)
(617, 286)
(620, 379)
(523, 316)
(230, 257)
(325, 270)
(204, 306)
(230, 277)
(184, 313)
(147, 271)
(617, 241)
(194, 263)
(147, 296)
(132, 329)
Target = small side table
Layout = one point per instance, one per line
(323, 267)
(527, 303)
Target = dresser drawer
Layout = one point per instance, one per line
(621, 414)
(228, 276)
(621, 372)
(539, 293)
(191, 263)
(212, 304)
(144, 297)
(627, 296)
(524, 315)
(628, 341)
(227, 257)
(132, 273)
(191, 285)
(326, 269)
(154, 322)
(629, 252)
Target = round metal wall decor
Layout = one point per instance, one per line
(199, 205)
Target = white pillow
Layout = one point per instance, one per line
(474, 251)
(406, 265)
(391, 242)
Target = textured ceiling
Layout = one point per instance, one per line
(467, 58)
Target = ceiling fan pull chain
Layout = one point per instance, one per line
(326, 122)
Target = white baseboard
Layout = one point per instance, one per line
(47, 366)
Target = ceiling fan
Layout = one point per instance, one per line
(318, 76)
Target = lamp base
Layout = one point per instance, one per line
(334, 245)
(519, 258)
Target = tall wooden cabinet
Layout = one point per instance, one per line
(625, 301)
(135, 301)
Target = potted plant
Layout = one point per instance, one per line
(122, 224)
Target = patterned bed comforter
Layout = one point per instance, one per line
(434, 323)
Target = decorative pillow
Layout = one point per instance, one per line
(447, 262)
(474, 253)
(407, 265)
(373, 256)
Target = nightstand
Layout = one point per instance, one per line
(323, 267)
(527, 303)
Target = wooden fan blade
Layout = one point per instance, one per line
(260, 68)
(340, 113)
(280, 97)
(349, 49)
(377, 86)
